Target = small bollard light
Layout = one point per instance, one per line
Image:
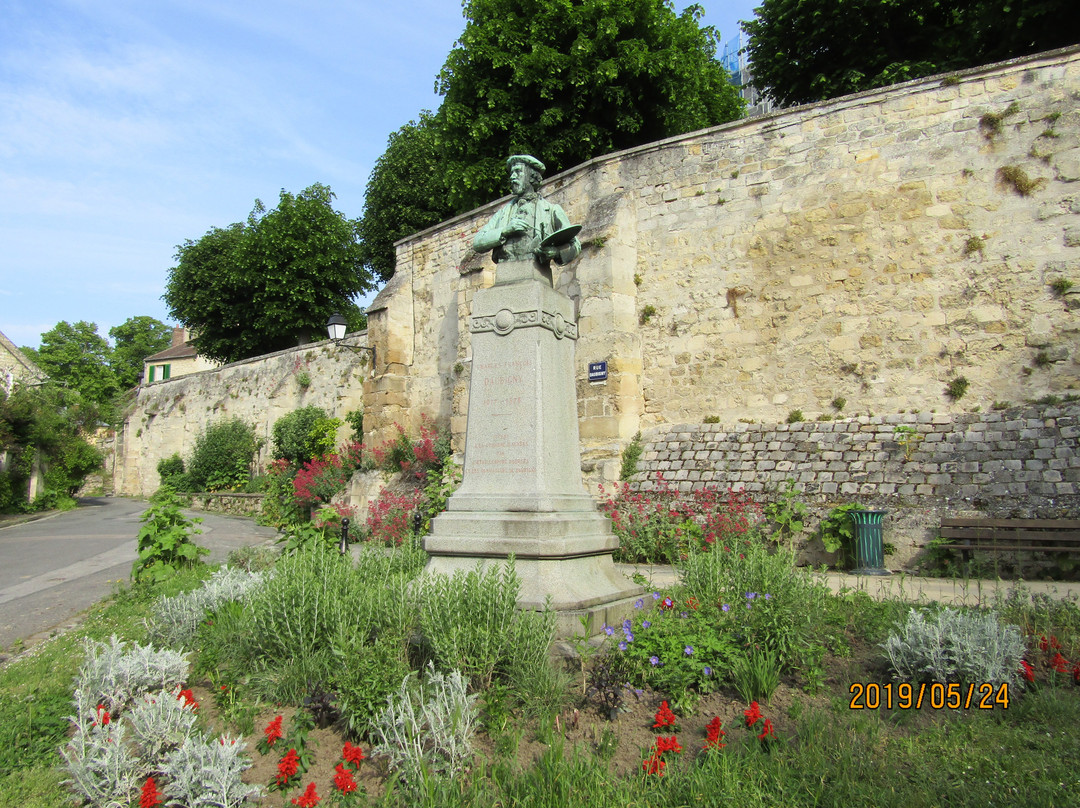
(417, 523)
(344, 546)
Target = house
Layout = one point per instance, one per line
(179, 359)
(15, 366)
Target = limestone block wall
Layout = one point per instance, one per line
(918, 466)
(872, 248)
(168, 416)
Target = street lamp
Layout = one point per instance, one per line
(336, 327)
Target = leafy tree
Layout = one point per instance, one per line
(134, 340)
(49, 422)
(78, 357)
(406, 192)
(808, 50)
(268, 284)
(562, 81)
(304, 434)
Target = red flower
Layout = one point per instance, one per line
(343, 780)
(309, 799)
(1027, 670)
(103, 715)
(1059, 663)
(352, 755)
(1043, 644)
(664, 717)
(150, 795)
(767, 731)
(188, 698)
(753, 715)
(287, 767)
(273, 731)
(668, 744)
(692, 603)
(653, 764)
(667, 603)
(1076, 673)
(713, 734)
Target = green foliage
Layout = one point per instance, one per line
(50, 423)
(1061, 286)
(355, 420)
(787, 512)
(837, 531)
(222, 455)
(838, 403)
(630, 456)
(756, 675)
(562, 81)
(134, 340)
(304, 434)
(165, 539)
(78, 357)
(907, 438)
(648, 311)
(1015, 177)
(263, 286)
(171, 472)
(795, 417)
(957, 387)
(809, 50)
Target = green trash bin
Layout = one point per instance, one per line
(869, 543)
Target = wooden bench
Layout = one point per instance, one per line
(1011, 535)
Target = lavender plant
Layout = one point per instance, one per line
(956, 646)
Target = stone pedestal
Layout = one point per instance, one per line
(521, 492)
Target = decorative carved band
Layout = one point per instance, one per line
(504, 321)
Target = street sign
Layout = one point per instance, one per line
(597, 371)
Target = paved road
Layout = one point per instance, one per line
(54, 568)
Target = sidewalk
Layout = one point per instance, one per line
(913, 588)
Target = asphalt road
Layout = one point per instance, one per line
(52, 569)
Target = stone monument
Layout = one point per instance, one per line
(522, 492)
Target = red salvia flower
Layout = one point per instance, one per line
(667, 744)
(309, 799)
(653, 764)
(753, 715)
(713, 734)
(1043, 643)
(150, 795)
(767, 731)
(1059, 663)
(287, 767)
(352, 755)
(103, 715)
(273, 731)
(188, 698)
(664, 717)
(343, 779)
(1027, 671)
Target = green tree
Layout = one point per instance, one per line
(809, 50)
(271, 283)
(559, 80)
(78, 357)
(222, 456)
(134, 340)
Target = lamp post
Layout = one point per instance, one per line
(336, 327)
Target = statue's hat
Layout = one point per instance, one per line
(527, 159)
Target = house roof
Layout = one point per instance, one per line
(185, 351)
(20, 357)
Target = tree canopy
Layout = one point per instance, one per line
(809, 50)
(562, 81)
(271, 282)
(134, 340)
(78, 357)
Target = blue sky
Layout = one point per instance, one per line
(129, 126)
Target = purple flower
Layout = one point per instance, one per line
(656, 596)
(622, 646)
(629, 637)
(767, 596)
(608, 629)
(708, 671)
(747, 605)
(645, 623)
(689, 650)
(639, 603)
(626, 624)
(751, 595)
(684, 614)
(726, 608)
(654, 661)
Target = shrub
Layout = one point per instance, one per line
(114, 673)
(175, 621)
(303, 435)
(663, 526)
(955, 646)
(390, 516)
(171, 472)
(204, 772)
(222, 456)
(630, 456)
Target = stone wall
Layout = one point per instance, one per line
(920, 467)
(166, 417)
(873, 248)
